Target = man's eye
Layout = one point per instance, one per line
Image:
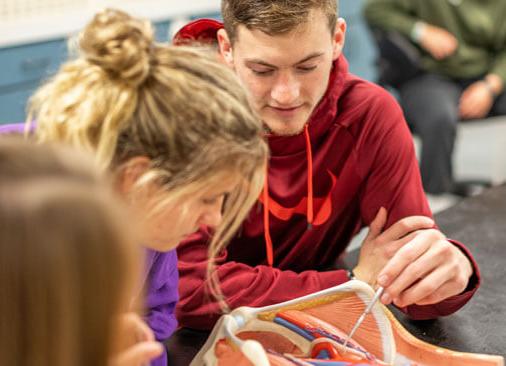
(262, 72)
(304, 69)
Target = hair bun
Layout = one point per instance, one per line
(120, 44)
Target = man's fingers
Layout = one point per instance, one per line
(438, 54)
(472, 110)
(138, 355)
(434, 286)
(406, 226)
(393, 247)
(448, 289)
(464, 101)
(462, 108)
(451, 47)
(405, 256)
(411, 283)
(377, 224)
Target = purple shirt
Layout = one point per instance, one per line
(161, 289)
(17, 128)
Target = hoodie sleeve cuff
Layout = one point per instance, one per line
(451, 304)
(333, 278)
(475, 279)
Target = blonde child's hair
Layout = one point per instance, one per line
(67, 264)
(126, 96)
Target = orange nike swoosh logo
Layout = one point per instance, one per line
(322, 206)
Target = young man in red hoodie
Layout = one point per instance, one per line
(341, 158)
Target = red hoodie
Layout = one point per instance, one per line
(362, 159)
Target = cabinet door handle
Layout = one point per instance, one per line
(35, 64)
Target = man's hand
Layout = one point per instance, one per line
(438, 42)
(379, 247)
(426, 270)
(476, 101)
(136, 344)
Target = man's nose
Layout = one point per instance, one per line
(286, 90)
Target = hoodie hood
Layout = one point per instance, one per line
(200, 31)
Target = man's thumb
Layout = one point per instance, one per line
(378, 223)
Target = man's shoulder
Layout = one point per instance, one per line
(370, 94)
(363, 102)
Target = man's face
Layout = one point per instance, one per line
(286, 75)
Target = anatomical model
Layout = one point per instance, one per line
(311, 330)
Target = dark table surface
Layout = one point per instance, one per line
(480, 327)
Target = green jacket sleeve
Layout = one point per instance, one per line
(391, 15)
(499, 65)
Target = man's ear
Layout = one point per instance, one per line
(130, 173)
(338, 38)
(225, 47)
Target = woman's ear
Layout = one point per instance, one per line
(130, 173)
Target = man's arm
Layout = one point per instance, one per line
(410, 262)
(499, 70)
(399, 16)
(391, 15)
(478, 98)
(242, 285)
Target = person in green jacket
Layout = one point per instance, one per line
(462, 72)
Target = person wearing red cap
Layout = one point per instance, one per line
(342, 158)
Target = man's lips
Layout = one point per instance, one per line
(285, 109)
(286, 112)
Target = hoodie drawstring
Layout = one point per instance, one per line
(309, 155)
(267, 232)
(265, 193)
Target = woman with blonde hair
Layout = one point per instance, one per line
(175, 129)
(68, 266)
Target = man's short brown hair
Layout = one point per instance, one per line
(273, 17)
